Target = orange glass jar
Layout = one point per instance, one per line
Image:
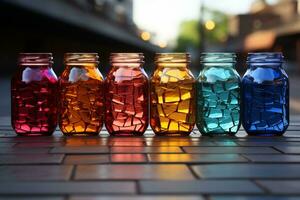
(81, 95)
(172, 95)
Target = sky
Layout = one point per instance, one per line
(163, 17)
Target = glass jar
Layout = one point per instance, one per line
(126, 95)
(172, 95)
(81, 95)
(218, 95)
(34, 95)
(265, 95)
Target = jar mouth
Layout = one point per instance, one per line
(265, 57)
(172, 58)
(218, 57)
(35, 58)
(126, 58)
(81, 58)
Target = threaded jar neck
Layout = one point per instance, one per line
(81, 58)
(126, 58)
(35, 59)
(218, 58)
(172, 58)
(265, 58)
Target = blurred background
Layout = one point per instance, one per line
(149, 26)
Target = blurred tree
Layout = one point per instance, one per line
(188, 36)
(189, 32)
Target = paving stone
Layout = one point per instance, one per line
(31, 198)
(128, 144)
(200, 187)
(226, 143)
(224, 150)
(16, 150)
(80, 150)
(133, 172)
(86, 141)
(289, 149)
(290, 187)
(128, 158)
(268, 144)
(247, 170)
(195, 158)
(86, 159)
(146, 150)
(32, 159)
(253, 198)
(179, 143)
(35, 172)
(281, 158)
(38, 144)
(64, 188)
(138, 198)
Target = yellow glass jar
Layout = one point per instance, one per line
(172, 95)
(81, 88)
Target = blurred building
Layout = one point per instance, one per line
(268, 28)
(60, 26)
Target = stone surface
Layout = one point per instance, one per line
(158, 168)
(133, 172)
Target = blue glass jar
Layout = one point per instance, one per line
(265, 95)
(218, 95)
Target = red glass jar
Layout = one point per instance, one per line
(34, 95)
(126, 95)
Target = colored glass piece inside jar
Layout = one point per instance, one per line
(126, 95)
(81, 95)
(34, 95)
(172, 95)
(265, 95)
(218, 95)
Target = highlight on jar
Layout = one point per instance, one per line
(172, 95)
(33, 95)
(126, 95)
(81, 89)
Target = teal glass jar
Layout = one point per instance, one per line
(218, 95)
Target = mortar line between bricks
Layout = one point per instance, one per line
(182, 149)
(244, 156)
(74, 169)
(266, 191)
(282, 152)
(192, 172)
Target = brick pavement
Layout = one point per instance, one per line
(150, 168)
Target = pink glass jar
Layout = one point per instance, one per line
(34, 90)
(126, 95)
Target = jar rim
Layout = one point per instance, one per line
(35, 58)
(122, 57)
(173, 57)
(81, 57)
(218, 57)
(265, 57)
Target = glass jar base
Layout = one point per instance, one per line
(81, 134)
(37, 134)
(264, 134)
(173, 134)
(126, 133)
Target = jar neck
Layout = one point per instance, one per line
(176, 60)
(82, 59)
(128, 60)
(218, 59)
(36, 59)
(267, 59)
